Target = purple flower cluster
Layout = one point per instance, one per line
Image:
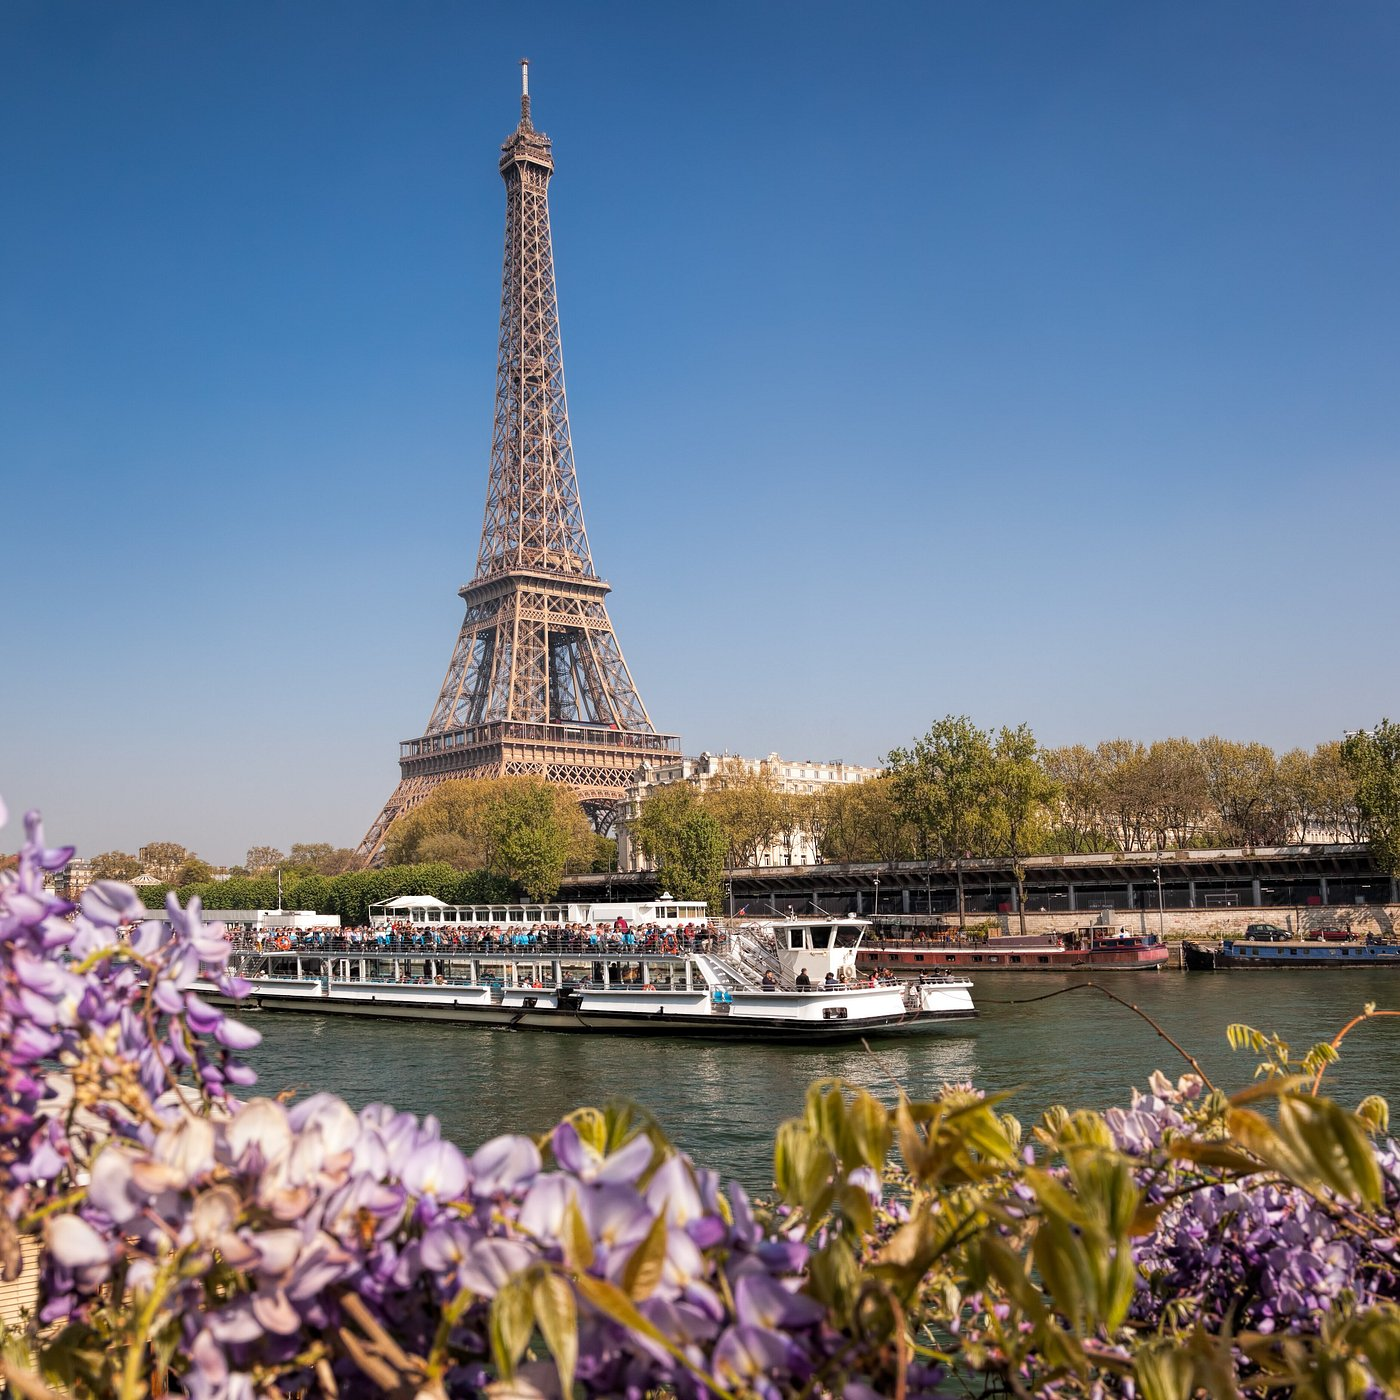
(263, 1241)
(1264, 1254)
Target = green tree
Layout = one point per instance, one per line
(321, 858)
(522, 828)
(748, 807)
(604, 856)
(862, 822)
(1242, 782)
(1175, 799)
(684, 841)
(115, 865)
(1125, 792)
(1020, 793)
(261, 858)
(162, 859)
(1372, 757)
(1334, 794)
(1079, 827)
(458, 851)
(192, 871)
(481, 887)
(308, 892)
(941, 787)
(153, 896)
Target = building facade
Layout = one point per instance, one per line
(787, 775)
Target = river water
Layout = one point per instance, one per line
(722, 1103)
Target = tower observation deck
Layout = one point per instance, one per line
(537, 683)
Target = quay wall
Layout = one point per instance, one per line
(1362, 919)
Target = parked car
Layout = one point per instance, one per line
(1333, 935)
(1267, 933)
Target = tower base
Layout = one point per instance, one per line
(597, 762)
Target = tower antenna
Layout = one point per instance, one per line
(525, 93)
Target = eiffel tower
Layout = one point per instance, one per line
(537, 683)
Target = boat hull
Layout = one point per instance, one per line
(650, 1017)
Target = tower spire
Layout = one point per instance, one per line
(537, 683)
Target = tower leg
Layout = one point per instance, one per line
(409, 793)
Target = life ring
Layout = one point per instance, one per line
(536, 986)
(649, 987)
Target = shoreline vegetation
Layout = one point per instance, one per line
(959, 792)
(194, 1238)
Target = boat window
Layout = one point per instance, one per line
(1044, 960)
(918, 957)
(1015, 959)
(794, 938)
(821, 936)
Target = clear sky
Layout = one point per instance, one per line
(1035, 361)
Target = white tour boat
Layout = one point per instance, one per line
(795, 980)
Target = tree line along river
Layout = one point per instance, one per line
(722, 1103)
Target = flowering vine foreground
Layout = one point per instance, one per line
(190, 1242)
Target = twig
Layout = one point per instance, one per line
(884, 1068)
(1342, 1035)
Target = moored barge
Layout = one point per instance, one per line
(1272, 955)
(1075, 950)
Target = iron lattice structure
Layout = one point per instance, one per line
(537, 682)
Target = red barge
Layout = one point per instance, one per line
(1075, 950)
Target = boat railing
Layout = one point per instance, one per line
(601, 947)
(756, 957)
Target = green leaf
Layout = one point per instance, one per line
(1242, 1037)
(834, 1279)
(1374, 1111)
(1316, 1142)
(1164, 1371)
(612, 1302)
(578, 1244)
(557, 1315)
(643, 1269)
(869, 1123)
(512, 1320)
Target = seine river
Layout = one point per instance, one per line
(722, 1102)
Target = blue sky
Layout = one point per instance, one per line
(1035, 361)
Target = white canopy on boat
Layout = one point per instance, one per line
(410, 901)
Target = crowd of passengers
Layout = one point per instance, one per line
(413, 938)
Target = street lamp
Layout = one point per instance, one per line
(729, 896)
(1161, 913)
(876, 909)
